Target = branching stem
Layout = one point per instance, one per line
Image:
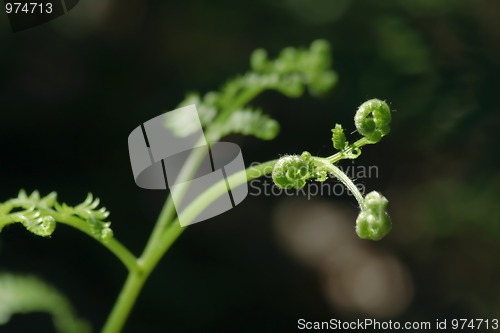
(159, 245)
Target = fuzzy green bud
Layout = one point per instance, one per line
(293, 171)
(373, 222)
(377, 125)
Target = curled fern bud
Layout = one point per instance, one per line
(376, 126)
(47, 225)
(293, 171)
(373, 222)
(39, 225)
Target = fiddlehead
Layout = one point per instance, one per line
(293, 171)
(39, 215)
(373, 221)
(373, 120)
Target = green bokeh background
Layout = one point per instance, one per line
(73, 89)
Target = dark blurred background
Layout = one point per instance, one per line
(73, 89)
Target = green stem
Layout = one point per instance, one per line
(168, 238)
(117, 248)
(342, 154)
(165, 233)
(125, 302)
(340, 175)
(168, 212)
(166, 216)
(138, 274)
(160, 243)
(190, 167)
(148, 261)
(199, 204)
(125, 256)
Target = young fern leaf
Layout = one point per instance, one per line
(207, 111)
(298, 68)
(251, 122)
(27, 213)
(26, 294)
(94, 218)
(39, 215)
(294, 70)
(338, 137)
(33, 222)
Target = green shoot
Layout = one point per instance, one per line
(223, 112)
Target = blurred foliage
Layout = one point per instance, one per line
(26, 294)
(110, 64)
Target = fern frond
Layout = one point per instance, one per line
(39, 215)
(251, 122)
(291, 73)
